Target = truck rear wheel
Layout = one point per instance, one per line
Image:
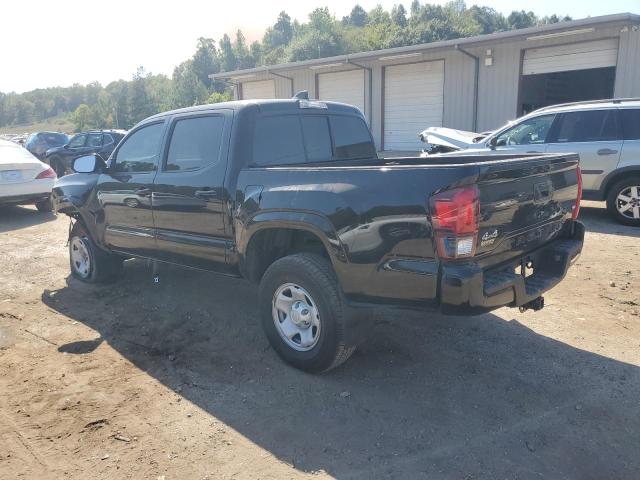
(89, 263)
(623, 201)
(303, 313)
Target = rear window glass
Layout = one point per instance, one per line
(588, 126)
(630, 118)
(278, 141)
(317, 140)
(351, 138)
(195, 143)
(290, 139)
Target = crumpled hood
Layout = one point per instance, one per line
(449, 137)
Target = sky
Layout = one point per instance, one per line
(58, 43)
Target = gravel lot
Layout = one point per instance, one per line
(176, 380)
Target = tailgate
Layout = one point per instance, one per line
(524, 204)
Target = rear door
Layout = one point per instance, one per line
(124, 192)
(188, 194)
(596, 136)
(630, 120)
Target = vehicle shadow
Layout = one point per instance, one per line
(597, 219)
(425, 396)
(14, 217)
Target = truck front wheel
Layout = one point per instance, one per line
(303, 313)
(89, 263)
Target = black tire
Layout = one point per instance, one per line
(103, 266)
(613, 202)
(314, 274)
(45, 206)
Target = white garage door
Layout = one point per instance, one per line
(413, 101)
(577, 56)
(345, 87)
(259, 89)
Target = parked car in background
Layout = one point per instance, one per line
(23, 178)
(38, 143)
(605, 134)
(290, 194)
(99, 142)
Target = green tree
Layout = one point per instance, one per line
(205, 60)
(358, 17)
(81, 117)
(399, 15)
(521, 19)
(228, 60)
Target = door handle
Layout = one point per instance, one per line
(607, 151)
(143, 192)
(533, 151)
(206, 194)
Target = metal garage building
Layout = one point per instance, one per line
(476, 83)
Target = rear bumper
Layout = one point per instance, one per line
(26, 192)
(467, 289)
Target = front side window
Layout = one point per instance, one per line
(94, 140)
(195, 143)
(587, 126)
(139, 152)
(78, 141)
(532, 131)
(351, 138)
(630, 119)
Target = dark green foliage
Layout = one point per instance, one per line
(123, 103)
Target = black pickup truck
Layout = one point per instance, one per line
(291, 194)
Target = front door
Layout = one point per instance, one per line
(124, 192)
(595, 136)
(188, 194)
(528, 136)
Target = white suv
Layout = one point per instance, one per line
(606, 135)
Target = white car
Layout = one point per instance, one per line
(23, 178)
(605, 133)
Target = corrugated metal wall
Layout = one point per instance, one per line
(498, 84)
(628, 71)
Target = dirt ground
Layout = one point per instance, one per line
(177, 381)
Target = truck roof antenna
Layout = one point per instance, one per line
(302, 95)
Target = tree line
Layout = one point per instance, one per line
(122, 103)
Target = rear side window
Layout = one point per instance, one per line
(278, 141)
(351, 138)
(630, 119)
(587, 126)
(195, 143)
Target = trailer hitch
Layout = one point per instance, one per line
(535, 305)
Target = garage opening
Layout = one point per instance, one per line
(560, 87)
(568, 73)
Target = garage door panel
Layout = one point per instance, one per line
(577, 56)
(258, 89)
(413, 101)
(345, 87)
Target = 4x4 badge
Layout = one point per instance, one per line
(489, 237)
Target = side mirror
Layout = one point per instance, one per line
(66, 146)
(88, 164)
(493, 142)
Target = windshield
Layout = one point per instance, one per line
(55, 138)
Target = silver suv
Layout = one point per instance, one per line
(606, 135)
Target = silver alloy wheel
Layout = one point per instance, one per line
(296, 317)
(80, 259)
(628, 202)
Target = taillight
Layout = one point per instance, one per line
(576, 207)
(455, 215)
(48, 173)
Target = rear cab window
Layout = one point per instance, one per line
(289, 139)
